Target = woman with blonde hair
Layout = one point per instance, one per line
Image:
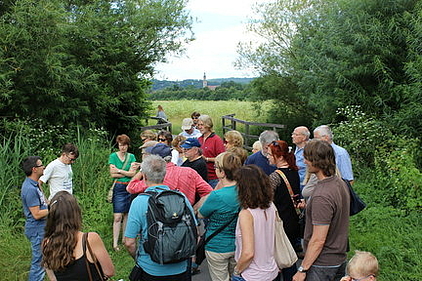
(68, 253)
(222, 208)
(233, 141)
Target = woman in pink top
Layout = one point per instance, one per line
(255, 227)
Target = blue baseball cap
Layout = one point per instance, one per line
(191, 142)
(160, 149)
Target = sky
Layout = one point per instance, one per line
(220, 26)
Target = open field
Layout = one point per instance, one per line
(177, 110)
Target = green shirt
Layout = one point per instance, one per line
(115, 160)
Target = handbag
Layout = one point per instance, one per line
(200, 247)
(110, 191)
(98, 268)
(284, 254)
(356, 204)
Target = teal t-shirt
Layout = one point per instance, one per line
(220, 207)
(115, 160)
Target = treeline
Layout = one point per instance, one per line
(226, 91)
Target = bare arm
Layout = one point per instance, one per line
(130, 244)
(37, 213)
(248, 240)
(319, 234)
(50, 274)
(101, 253)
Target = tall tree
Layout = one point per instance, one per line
(86, 62)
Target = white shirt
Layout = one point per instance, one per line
(59, 177)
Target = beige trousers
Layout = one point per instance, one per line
(220, 265)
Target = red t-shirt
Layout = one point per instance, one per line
(211, 147)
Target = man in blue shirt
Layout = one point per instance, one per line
(260, 158)
(344, 164)
(300, 137)
(154, 169)
(35, 210)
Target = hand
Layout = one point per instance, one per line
(301, 204)
(299, 276)
(135, 166)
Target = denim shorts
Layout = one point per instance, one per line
(121, 198)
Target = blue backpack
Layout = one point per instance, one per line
(172, 234)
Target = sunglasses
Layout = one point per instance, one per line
(160, 139)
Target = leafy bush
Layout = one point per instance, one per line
(360, 134)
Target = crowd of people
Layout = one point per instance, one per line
(233, 200)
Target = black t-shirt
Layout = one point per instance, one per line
(199, 165)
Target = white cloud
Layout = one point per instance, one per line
(221, 28)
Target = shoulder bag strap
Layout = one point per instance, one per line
(126, 160)
(94, 259)
(286, 181)
(84, 240)
(220, 229)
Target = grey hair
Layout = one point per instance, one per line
(304, 131)
(154, 168)
(267, 137)
(206, 119)
(323, 131)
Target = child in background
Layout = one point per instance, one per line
(363, 266)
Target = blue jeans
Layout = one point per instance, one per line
(35, 236)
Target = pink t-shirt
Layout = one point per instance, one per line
(263, 265)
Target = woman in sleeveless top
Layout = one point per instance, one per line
(255, 227)
(280, 156)
(66, 254)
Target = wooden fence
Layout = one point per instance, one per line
(165, 125)
(230, 123)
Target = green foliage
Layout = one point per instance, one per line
(397, 173)
(332, 54)
(85, 62)
(392, 236)
(361, 134)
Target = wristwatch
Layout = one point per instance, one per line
(302, 270)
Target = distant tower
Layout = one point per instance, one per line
(204, 82)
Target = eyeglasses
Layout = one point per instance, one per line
(159, 139)
(363, 278)
(143, 139)
(72, 160)
(37, 166)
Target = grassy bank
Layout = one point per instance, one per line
(391, 234)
